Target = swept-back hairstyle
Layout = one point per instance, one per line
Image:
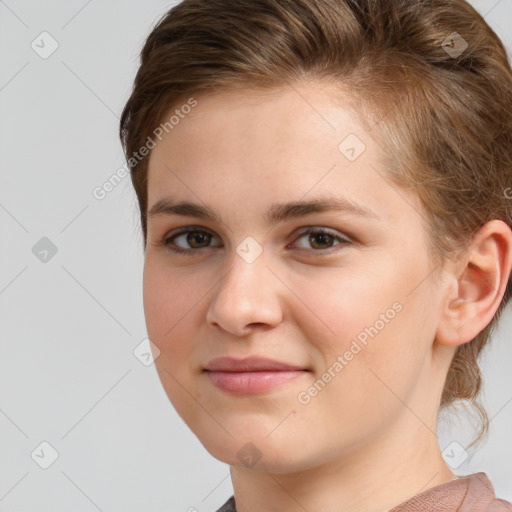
(430, 79)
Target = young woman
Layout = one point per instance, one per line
(328, 244)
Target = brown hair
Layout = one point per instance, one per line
(429, 76)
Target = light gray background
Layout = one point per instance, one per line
(68, 375)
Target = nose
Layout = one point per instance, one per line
(248, 296)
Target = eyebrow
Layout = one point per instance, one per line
(278, 212)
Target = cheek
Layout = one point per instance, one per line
(355, 392)
(171, 309)
(340, 304)
(170, 299)
(369, 318)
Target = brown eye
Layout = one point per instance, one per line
(322, 239)
(195, 239)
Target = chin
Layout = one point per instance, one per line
(257, 452)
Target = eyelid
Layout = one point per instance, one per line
(343, 239)
(184, 230)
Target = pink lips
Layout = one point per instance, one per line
(250, 375)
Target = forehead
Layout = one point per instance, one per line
(273, 119)
(288, 143)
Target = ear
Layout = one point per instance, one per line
(476, 285)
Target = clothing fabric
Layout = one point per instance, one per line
(472, 493)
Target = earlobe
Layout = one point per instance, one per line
(477, 285)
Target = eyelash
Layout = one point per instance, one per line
(166, 242)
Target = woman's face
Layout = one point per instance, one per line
(352, 308)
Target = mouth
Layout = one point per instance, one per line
(251, 375)
(249, 364)
(250, 383)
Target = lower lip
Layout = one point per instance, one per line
(243, 383)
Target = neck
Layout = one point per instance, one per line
(375, 478)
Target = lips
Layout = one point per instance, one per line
(249, 364)
(252, 375)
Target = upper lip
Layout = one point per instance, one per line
(249, 364)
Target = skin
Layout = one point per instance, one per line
(368, 440)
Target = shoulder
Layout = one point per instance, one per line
(229, 506)
(481, 493)
(471, 492)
